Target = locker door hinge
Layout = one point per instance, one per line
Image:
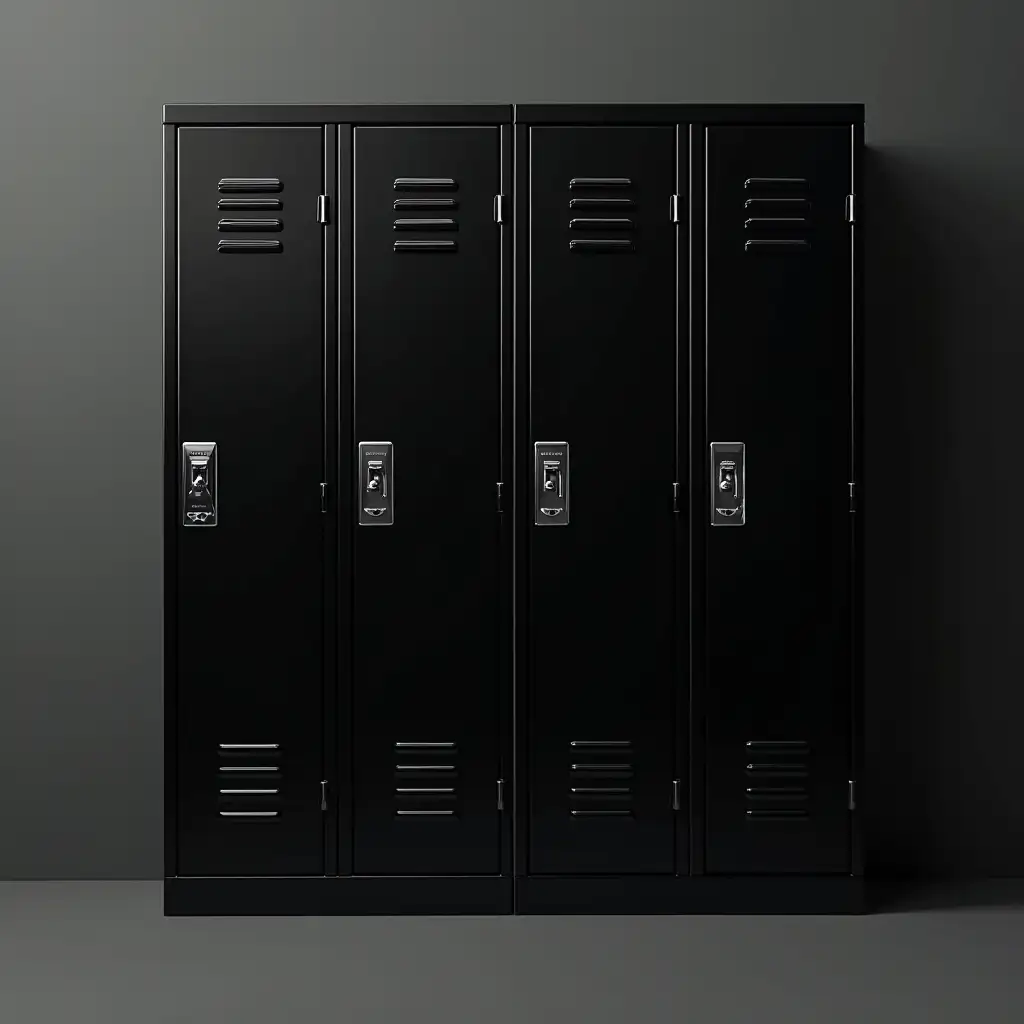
(499, 209)
(500, 488)
(853, 793)
(675, 794)
(321, 209)
(501, 794)
(323, 497)
(673, 209)
(850, 212)
(853, 499)
(323, 795)
(675, 497)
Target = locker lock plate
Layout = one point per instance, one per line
(376, 484)
(728, 483)
(551, 483)
(199, 483)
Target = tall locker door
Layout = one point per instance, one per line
(250, 545)
(601, 542)
(779, 555)
(427, 383)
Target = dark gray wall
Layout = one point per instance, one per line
(81, 86)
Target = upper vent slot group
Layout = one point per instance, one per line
(427, 225)
(253, 201)
(606, 222)
(776, 210)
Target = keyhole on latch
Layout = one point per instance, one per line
(553, 477)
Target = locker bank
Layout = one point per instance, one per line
(512, 509)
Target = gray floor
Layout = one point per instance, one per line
(101, 951)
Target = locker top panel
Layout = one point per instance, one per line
(337, 113)
(681, 113)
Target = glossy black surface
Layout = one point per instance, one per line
(778, 588)
(249, 635)
(427, 341)
(757, 714)
(601, 672)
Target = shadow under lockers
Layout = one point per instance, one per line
(511, 514)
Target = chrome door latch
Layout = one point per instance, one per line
(376, 484)
(728, 483)
(199, 483)
(551, 483)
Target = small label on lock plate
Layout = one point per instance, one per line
(728, 483)
(551, 483)
(375, 492)
(199, 483)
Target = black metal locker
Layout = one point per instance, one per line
(387, 655)
(601, 540)
(425, 715)
(247, 522)
(778, 335)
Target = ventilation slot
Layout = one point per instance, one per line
(776, 207)
(775, 183)
(424, 245)
(776, 772)
(249, 224)
(776, 245)
(425, 224)
(414, 184)
(249, 185)
(602, 223)
(426, 778)
(248, 204)
(779, 221)
(425, 204)
(601, 244)
(575, 183)
(248, 780)
(594, 230)
(765, 223)
(600, 204)
(255, 245)
(599, 778)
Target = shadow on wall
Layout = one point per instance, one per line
(902, 404)
(939, 608)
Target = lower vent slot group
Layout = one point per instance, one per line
(247, 780)
(425, 779)
(597, 786)
(775, 770)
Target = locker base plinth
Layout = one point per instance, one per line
(357, 895)
(706, 894)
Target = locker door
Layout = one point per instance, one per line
(778, 573)
(425, 716)
(250, 547)
(602, 378)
